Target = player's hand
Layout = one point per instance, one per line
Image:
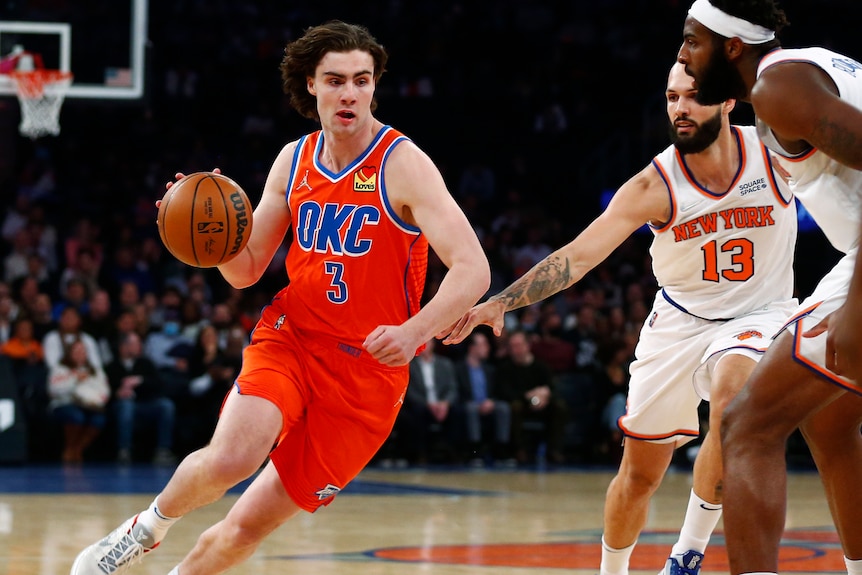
(391, 345)
(843, 340)
(177, 177)
(490, 313)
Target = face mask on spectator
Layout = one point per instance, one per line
(171, 328)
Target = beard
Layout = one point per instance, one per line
(699, 140)
(720, 81)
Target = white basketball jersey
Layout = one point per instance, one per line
(830, 191)
(725, 253)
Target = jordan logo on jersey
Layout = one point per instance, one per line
(304, 182)
(365, 179)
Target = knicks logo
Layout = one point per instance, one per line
(335, 229)
(748, 335)
(365, 179)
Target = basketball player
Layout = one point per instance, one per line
(809, 108)
(715, 208)
(327, 368)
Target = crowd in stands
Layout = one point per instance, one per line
(120, 352)
(521, 104)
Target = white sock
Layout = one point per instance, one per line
(615, 561)
(854, 566)
(175, 571)
(155, 522)
(701, 518)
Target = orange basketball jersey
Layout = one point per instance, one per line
(353, 263)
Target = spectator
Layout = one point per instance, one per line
(15, 262)
(139, 399)
(432, 391)
(8, 313)
(528, 385)
(128, 295)
(221, 318)
(85, 234)
(585, 337)
(74, 294)
(126, 266)
(213, 371)
(191, 318)
(484, 411)
(169, 303)
(86, 269)
(42, 314)
(549, 344)
(21, 345)
(37, 268)
(16, 217)
(534, 251)
(26, 355)
(31, 375)
(611, 379)
(26, 291)
(99, 323)
(68, 331)
(169, 350)
(78, 391)
(44, 236)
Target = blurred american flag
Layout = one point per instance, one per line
(118, 77)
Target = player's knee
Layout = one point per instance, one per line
(640, 482)
(232, 466)
(243, 535)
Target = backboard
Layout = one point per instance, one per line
(101, 42)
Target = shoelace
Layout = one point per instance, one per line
(125, 552)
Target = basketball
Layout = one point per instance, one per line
(205, 219)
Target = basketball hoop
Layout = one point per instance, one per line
(40, 93)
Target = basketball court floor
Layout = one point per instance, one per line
(435, 521)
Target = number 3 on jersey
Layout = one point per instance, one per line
(741, 257)
(338, 293)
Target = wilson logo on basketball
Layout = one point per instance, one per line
(210, 227)
(365, 179)
(748, 335)
(241, 221)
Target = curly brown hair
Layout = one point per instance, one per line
(764, 13)
(302, 56)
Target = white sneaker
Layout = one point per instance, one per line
(116, 553)
(687, 563)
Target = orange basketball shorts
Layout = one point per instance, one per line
(338, 405)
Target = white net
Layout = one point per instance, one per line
(41, 94)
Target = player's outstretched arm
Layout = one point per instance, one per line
(642, 199)
(271, 221)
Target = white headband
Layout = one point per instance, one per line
(729, 26)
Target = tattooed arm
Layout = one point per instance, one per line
(644, 198)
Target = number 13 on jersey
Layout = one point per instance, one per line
(741, 252)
